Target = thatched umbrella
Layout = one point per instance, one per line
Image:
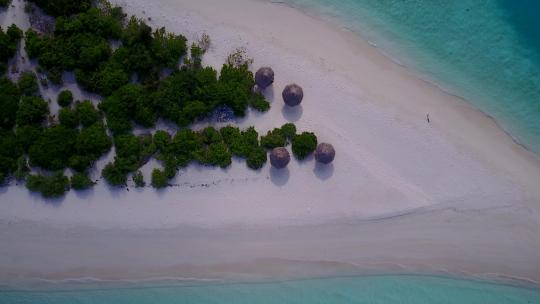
(280, 158)
(325, 153)
(264, 77)
(293, 95)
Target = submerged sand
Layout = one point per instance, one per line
(456, 195)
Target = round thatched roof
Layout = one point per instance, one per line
(280, 158)
(264, 77)
(325, 153)
(293, 95)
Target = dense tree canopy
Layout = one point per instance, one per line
(63, 7)
(9, 41)
(49, 186)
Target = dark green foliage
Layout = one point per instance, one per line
(27, 135)
(129, 103)
(63, 7)
(9, 103)
(184, 147)
(115, 173)
(49, 186)
(68, 118)
(10, 151)
(87, 113)
(4, 3)
(22, 169)
(159, 179)
(9, 41)
(273, 139)
(256, 159)
(53, 149)
(92, 142)
(81, 181)
(32, 111)
(162, 140)
(304, 144)
(288, 130)
(138, 179)
(28, 84)
(259, 103)
(65, 98)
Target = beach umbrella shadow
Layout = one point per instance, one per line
(323, 172)
(292, 114)
(279, 177)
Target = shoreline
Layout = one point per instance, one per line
(456, 186)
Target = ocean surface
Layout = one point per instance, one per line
(486, 51)
(401, 289)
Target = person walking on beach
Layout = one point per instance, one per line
(427, 118)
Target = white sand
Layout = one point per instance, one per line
(456, 195)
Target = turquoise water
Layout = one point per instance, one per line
(368, 289)
(487, 51)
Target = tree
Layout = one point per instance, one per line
(115, 173)
(53, 149)
(273, 139)
(63, 7)
(256, 159)
(81, 181)
(65, 98)
(9, 103)
(138, 179)
(49, 186)
(159, 179)
(288, 130)
(28, 84)
(87, 113)
(304, 144)
(68, 118)
(93, 141)
(32, 111)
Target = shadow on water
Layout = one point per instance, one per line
(279, 177)
(323, 172)
(292, 114)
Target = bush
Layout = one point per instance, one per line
(304, 144)
(49, 186)
(65, 98)
(138, 179)
(9, 103)
(53, 149)
(63, 7)
(115, 173)
(159, 179)
(81, 181)
(87, 113)
(28, 84)
(273, 139)
(32, 111)
(68, 118)
(259, 103)
(288, 130)
(93, 141)
(256, 159)
(9, 41)
(4, 3)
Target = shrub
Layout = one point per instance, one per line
(273, 139)
(68, 118)
(32, 111)
(161, 140)
(256, 159)
(28, 84)
(63, 7)
(138, 179)
(259, 103)
(65, 98)
(288, 130)
(81, 181)
(304, 144)
(93, 141)
(53, 149)
(9, 103)
(49, 186)
(159, 179)
(115, 173)
(87, 113)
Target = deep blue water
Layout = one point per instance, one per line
(368, 289)
(487, 51)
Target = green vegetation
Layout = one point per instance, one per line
(304, 144)
(9, 41)
(149, 75)
(138, 179)
(49, 186)
(28, 84)
(65, 98)
(81, 181)
(4, 3)
(159, 179)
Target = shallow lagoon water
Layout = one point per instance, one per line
(487, 51)
(402, 289)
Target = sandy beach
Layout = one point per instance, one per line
(457, 195)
